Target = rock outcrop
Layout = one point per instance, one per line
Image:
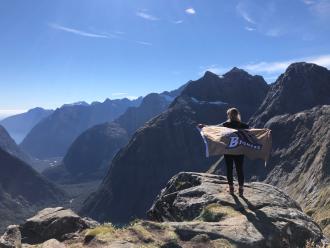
(263, 217)
(11, 238)
(195, 210)
(168, 144)
(53, 223)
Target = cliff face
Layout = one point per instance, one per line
(193, 210)
(300, 162)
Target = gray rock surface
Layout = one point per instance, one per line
(198, 203)
(53, 223)
(11, 238)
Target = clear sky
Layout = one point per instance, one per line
(61, 51)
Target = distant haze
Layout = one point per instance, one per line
(9, 112)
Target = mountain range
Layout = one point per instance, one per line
(89, 156)
(18, 126)
(53, 135)
(147, 141)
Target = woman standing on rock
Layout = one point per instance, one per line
(234, 122)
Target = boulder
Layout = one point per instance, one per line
(198, 204)
(11, 238)
(53, 223)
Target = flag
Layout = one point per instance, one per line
(253, 143)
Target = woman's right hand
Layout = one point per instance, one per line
(200, 126)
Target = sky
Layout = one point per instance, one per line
(64, 51)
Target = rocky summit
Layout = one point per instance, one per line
(193, 210)
(301, 86)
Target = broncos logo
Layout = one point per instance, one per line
(243, 138)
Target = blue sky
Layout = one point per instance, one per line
(55, 52)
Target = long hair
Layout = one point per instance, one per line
(233, 115)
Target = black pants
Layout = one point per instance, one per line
(239, 160)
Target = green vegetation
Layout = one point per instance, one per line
(223, 243)
(141, 233)
(101, 230)
(319, 210)
(215, 212)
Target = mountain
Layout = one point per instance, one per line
(302, 86)
(53, 135)
(89, 156)
(22, 190)
(19, 125)
(8, 144)
(193, 210)
(168, 144)
(152, 105)
(300, 161)
(236, 87)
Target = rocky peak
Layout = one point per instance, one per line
(236, 87)
(237, 72)
(152, 98)
(302, 86)
(209, 74)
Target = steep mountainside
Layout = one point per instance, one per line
(89, 156)
(166, 145)
(22, 190)
(300, 162)
(19, 125)
(8, 144)
(53, 136)
(135, 117)
(302, 86)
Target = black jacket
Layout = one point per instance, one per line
(235, 125)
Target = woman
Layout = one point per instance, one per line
(234, 121)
